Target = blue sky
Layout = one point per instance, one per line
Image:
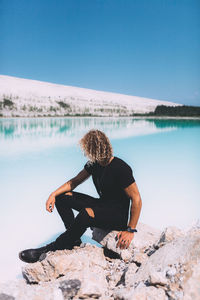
(137, 47)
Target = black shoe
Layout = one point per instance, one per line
(33, 255)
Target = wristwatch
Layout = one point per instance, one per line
(129, 229)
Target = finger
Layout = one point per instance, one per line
(118, 235)
(48, 208)
(127, 244)
(123, 244)
(119, 242)
(130, 240)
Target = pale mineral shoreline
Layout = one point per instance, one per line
(159, 264)
(20, 97)
(108, 117)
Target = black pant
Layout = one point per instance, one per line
(106, 216)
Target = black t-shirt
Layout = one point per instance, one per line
(111, 180)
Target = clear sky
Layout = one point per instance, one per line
(137, 47)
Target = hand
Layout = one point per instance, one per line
(125, 239)
(50, 203)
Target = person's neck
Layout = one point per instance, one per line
(108, 162)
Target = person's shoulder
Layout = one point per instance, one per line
(90, 166)
(123, 173)
(119, 162)
(90, 163)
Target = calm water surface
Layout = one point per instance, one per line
(39, 155)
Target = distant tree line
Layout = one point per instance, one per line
(183, 110)
(175, 111)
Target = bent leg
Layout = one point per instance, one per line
(65, 202)
(102, 217)
(82, 221)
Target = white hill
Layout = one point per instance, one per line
(31, 98)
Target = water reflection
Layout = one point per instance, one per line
(22, 135)
(175, 123)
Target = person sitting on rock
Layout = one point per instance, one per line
(115, 185)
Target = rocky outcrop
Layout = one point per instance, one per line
(170, 268)
(139, 248)
(162, 265)
(86, 266)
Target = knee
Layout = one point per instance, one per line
(58, 202)
(90, 212)
(62, 199)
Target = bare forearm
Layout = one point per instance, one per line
(135, 212)
(66, 187)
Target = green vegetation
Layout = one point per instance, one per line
(53, 108)
(66, 109)
(173, 111)
(111, 110)
(184, 110)
(32, 108)
(7, 102)
(83, 115)
(35, 108)
(63, 104)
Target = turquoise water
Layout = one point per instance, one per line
(39, 155)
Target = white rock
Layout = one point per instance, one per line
(143, 239)
(170, 272)
(157, 278)
(192, 283)
(132, 268)
(181, 250)
(86, 264)
(141, 292)
(169, 234)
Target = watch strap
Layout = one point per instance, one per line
(129, 229)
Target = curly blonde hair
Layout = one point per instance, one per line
(96, 146)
